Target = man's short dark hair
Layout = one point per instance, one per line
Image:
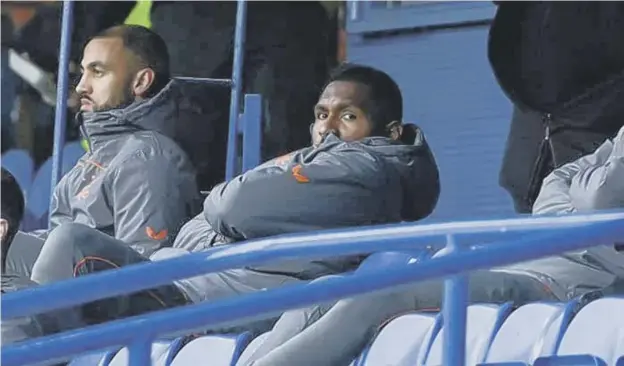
(12, 208)
(386, 101)
(148, 47)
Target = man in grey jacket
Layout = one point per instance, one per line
(342, 329)
(364, 168)
(135, 184)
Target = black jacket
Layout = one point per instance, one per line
(562, 65)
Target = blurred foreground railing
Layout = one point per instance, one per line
(508, 241)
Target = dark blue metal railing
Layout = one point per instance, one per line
(500, 242)
(62, 89)
(251, 118)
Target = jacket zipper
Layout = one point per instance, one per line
(545, 158)
(548, 119)
(86, 137)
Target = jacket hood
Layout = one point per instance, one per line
(598, 97)
(414, 160)
(178, 103)
(411, 157)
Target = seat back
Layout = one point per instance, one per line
(483, 322)
(162, 353)
(38, 198)
(597, 330)
(19, 163)
(38, 201)
(72, 152)
(98, 358)
(531, 331)
(215, 350)
(399, 342)
(249, 351)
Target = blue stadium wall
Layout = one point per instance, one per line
(437, 52)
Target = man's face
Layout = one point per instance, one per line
(106, 76)
(341, 110)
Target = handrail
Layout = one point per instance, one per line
(399, 237)
(62, 92)
(245, 307)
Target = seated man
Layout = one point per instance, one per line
(136, 183)
(18, 329)
(341, 330)
(364, 168)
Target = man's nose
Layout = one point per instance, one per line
(327, 126)
(83, 86)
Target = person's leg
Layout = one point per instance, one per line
(23, 253)
(73, 249)
(343, 330)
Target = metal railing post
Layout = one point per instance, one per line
(252, 131)
(62, 89)
(455, 312)
(237, 80)
(140, 352)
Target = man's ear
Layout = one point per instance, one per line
(395, 130)
(4, 229)
(143, 80)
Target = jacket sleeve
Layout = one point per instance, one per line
(337, 188)
(558, 194)
(601, 187)
(150, 200)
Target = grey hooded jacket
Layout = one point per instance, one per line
(135, 183)
(593, 182)
(335, 185)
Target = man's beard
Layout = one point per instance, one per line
(126, 99)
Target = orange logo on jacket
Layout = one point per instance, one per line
(299, 177)
(152, 234)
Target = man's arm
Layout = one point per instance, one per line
(601, 187)
(344, 186)
(151, 199)
(555, 195)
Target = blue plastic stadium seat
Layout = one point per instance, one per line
(531, 331)
(72, 152)
(98, 358)
(38, 199)
(215, 350)
(163, 352)
(595, 335)
(251, 348)
(483, 322)
(19, 163)
(575, 360)
(400, 341)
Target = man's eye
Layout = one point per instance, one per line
(349, 117)
(321, 115)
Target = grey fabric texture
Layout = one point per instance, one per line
(136, 183)
(335, 185)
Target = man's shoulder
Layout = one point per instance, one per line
(149, 145)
